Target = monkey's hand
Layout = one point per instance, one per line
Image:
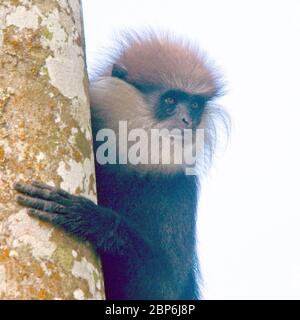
(103, 227)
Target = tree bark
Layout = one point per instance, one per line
(45, 134)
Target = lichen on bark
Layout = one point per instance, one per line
(45, 134)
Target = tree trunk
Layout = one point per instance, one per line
(45, 135)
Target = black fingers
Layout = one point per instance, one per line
(42, 185)
(42, 215)
(42, 191)
(41, 204)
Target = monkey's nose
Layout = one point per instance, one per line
(185, 121)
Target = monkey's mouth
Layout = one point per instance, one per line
(181, 132)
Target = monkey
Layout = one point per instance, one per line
(144, 228)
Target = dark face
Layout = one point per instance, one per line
(177, 109)
(182, 109)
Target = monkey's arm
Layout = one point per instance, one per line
(103, 227)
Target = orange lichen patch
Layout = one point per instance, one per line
(50, 265)
(11, 39)
(39, 271)
(2, 153)
(32, 291)
(22, 124)
(22, 135)
(25, 40)
(4, 98)
(77, 156)
(43, 294)
(15, 2)
(41, 166)
(55, 276)
(34, 46)
(52, 104)
(4, 254)
(24, 46)
(34, 70)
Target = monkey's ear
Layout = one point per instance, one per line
(119, 72)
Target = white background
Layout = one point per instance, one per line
(249, 216)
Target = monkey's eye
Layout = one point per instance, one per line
(199, 103)
(170, 110)
(170, 100)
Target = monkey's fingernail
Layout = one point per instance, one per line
(19, 198)
(16, 185)
(31, 212)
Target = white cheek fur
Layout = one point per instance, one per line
(114, 100)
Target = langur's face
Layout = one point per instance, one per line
(180, 110)
(145, 107)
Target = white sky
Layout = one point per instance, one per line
(250, 212)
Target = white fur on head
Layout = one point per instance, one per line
(165, 60)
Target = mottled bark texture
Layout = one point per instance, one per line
(45, 135)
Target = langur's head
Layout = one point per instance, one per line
(160, 82)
